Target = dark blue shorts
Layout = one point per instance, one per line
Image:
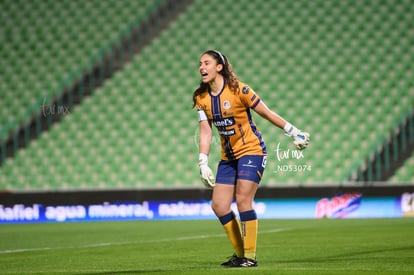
(245, 168)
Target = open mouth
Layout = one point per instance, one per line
(203, 74)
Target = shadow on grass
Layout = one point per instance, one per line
(327, 258)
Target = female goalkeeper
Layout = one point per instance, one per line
(222, 100)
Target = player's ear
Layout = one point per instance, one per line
(219, 67)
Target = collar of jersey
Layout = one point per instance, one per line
(222, 89)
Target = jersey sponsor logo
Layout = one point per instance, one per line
(227, 133)
(226, 104)
(224, 122)
(245, 90)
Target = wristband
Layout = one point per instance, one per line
(291, 130)
(288, 128)
(202, 158)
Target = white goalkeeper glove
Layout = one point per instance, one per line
(300, 138)
(206, 175)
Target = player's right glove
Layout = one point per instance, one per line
(206, 175)
(300, 138)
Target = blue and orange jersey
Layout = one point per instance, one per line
(230, 112)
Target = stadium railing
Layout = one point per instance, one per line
(382, 162)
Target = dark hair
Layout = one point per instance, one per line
(227, 73)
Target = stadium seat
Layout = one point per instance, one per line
(46, 40)
(334, 70)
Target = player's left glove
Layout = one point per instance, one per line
(206, 175)
(300, 139)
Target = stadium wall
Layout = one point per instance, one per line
(184, 204)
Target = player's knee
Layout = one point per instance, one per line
(220, 209)
(244, 203)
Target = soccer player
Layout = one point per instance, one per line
(222, 100)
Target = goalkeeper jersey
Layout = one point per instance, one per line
(229, 111)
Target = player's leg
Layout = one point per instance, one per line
(223, 194)
(250, 172)
(245, 193)
(222, 199)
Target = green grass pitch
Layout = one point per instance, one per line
(348, 246)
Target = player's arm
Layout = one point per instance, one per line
(269, 115)
(206, 133)
(301, 139)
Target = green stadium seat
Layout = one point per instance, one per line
(330, 77)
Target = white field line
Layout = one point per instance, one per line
(195, 237)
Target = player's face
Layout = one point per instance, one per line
(209, 68)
